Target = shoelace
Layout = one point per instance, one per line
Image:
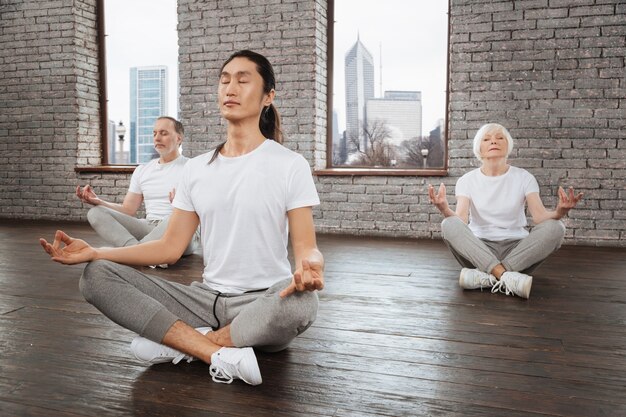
(491, 281)
(220, 375)
(501, 286)
(181, 357)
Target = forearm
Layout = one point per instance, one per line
(117, 207)
(548, 215)
(448, 212)
(565, 204)
(149, 253)
(461, 209)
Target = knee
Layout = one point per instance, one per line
(275, 321)
(559, 227)
(558, 230)
(93, 275)
(303, 309)
(555, 228)
(95, 214)
(297, 311)
(553, 231)
(449, 224)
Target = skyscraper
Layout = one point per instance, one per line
(401, 111)
(359, 88)
(148, 101)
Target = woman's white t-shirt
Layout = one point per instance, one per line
(497, 203)
(242, 204)
(155, 181)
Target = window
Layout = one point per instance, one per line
(141, 72)
(387, 89)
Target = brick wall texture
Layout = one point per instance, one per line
(552, 71)
(49, 121)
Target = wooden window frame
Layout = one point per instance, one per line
(103, 111)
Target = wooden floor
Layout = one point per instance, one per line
(395, 336)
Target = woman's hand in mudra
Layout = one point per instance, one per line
(567, 201)
(438, 199)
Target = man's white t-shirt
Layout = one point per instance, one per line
(155, 181)
(242, 203)
(497, 203)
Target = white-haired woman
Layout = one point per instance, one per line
(487, 232)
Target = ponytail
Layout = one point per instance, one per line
(216, 152)
(269, 123)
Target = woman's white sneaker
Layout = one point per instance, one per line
(471, 279)
(514, 283)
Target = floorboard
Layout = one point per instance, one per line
(395, 336)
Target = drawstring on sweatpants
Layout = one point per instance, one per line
(227, 296)
(214, 313)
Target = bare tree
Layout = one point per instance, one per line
(414, 155)
(413, 151)
(375, 149)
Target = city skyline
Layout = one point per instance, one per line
(383, 131)
(413, 46)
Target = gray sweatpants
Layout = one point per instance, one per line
(149, 306)
(523, 255)
(120, 229)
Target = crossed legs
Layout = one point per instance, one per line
(495, 258)
(167, 312)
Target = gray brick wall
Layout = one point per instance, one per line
(553, 71)
(49, 120)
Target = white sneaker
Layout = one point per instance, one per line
(470, 279)
(148, 351)
(514, 283)
(235, 363)
(162, 266)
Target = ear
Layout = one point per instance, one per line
(269, 98)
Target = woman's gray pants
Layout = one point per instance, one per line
(149, 306)
(514, 254)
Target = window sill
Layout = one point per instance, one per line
(116, 169)
(441, 172)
